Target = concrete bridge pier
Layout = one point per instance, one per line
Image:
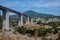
(31, 20)
(5, 19)
(27, 22)
(21, 20)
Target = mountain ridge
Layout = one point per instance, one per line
(34, 14)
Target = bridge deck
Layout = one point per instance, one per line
(10, 10)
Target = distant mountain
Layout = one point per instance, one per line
(14, 16)
(57, 17)
(35, 14)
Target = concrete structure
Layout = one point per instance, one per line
(19, 22)
(27, 20)
(6, 17)
(31, 19)
(21, 19)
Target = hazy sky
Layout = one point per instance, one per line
(40, 6)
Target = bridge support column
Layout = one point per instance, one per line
(21, 20)
(27, 22)
(31, 20)
(5, 19)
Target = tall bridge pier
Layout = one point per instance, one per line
(5, 19)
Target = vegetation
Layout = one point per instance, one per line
(0, 22)
(39, 22)
(58, 36)
(43, 38)
(30, 32)
(15, 30)
(22, 30)
(13, 22)
(48, 30)
(41, 32)
(54, 26)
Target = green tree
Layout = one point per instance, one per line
(22, 30)
(54, 26)
(42, 32)
(39, 22)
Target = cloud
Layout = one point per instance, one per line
(10, 3)
(35, 3)
(47, 4)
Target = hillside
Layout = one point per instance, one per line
(35, 14)
(14, 16)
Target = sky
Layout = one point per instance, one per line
(40, 6)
